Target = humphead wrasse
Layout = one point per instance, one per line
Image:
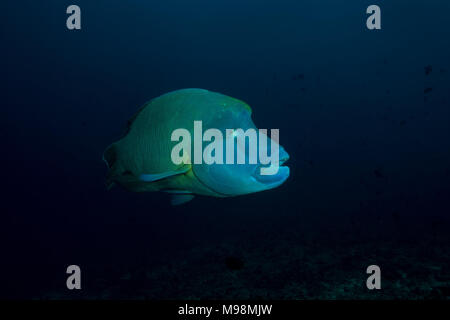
(142, 160)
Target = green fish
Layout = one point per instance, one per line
(141, 161)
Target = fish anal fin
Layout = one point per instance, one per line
(176, 191)
(178, 199)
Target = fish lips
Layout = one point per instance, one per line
(274, 180)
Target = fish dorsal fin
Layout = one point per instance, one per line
(178, 199)
(159, 176)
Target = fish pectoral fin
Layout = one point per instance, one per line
(159, 176)
(178, 199)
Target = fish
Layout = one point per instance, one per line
(141, 160)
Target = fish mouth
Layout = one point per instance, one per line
(274, 180)
(284, 158)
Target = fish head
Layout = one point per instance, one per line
(245, 170)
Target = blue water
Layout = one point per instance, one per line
(366, 127)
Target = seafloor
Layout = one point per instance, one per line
(281, 266)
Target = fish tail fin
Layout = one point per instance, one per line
(110, 158)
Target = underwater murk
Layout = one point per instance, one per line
(200, 149)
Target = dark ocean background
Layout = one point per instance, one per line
(363, 114)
